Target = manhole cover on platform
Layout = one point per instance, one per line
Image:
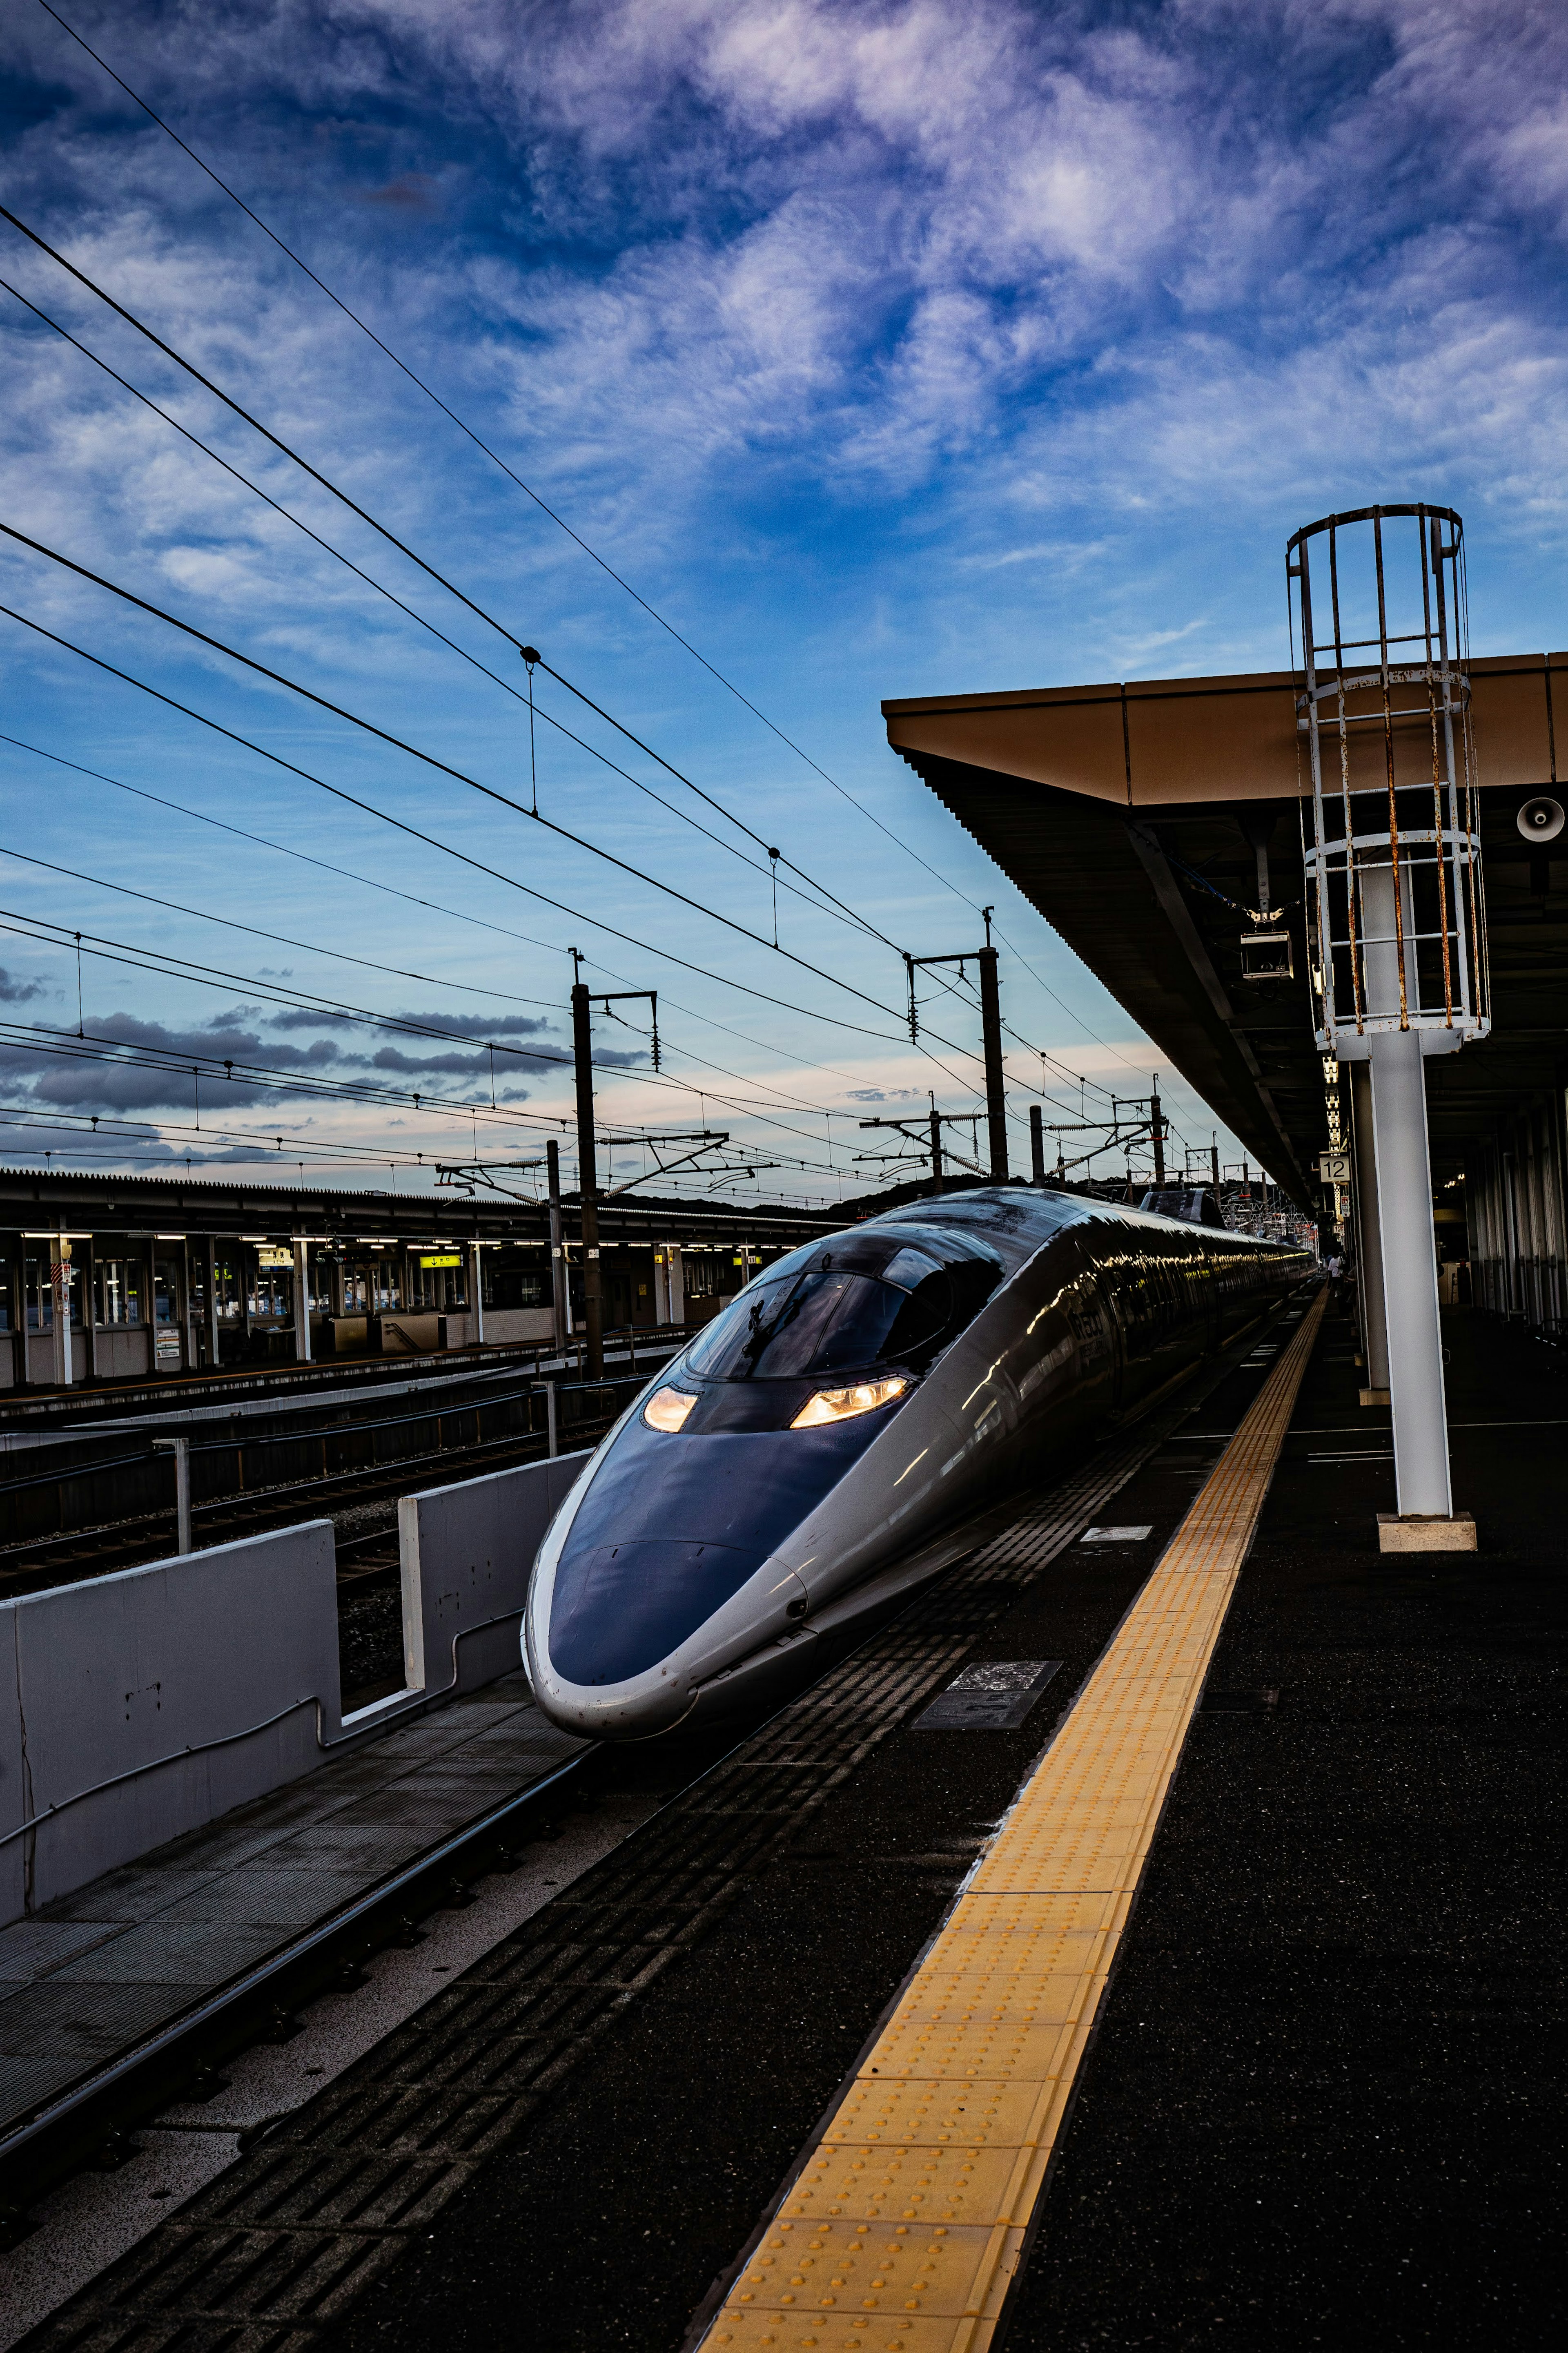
(995, 1696)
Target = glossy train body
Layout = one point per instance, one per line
(812, 1454)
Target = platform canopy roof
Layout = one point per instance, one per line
(1126, 813)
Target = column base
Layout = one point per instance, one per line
(1375, 1396)
(1424, 1532)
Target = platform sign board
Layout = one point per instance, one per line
(1334, 1167)
(442, 1258)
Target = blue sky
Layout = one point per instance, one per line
(884, 349)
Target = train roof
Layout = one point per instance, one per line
(1018, 1219)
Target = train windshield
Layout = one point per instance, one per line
(826, 1318)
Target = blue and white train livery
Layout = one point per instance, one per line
(810, 1456)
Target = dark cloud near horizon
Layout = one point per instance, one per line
(15, 990)
(59, 1074)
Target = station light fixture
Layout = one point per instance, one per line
(1266, 955)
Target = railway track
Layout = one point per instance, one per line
(61, 1559)
(272, 2255)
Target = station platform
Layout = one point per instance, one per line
(85, 1982)
(1294, 2084)
(1317, 2105)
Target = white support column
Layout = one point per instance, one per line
(1410, 1277)
(1408, 1244)
(301, 1301)
(1375, 1318)
(675, 1278)
(477, 1290)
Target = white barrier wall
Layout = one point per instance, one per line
(467, 1552)
(138, 1706)
(133, 1686)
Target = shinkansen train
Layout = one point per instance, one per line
(813, 1454)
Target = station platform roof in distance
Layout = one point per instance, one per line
(106, 1202)
(1110, 806)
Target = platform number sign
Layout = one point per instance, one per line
(1334, 1167)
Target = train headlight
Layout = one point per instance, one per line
(667, 1408)
(843, 1404)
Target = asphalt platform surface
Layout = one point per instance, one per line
(1323, 2105)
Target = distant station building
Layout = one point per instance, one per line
(169, 1276)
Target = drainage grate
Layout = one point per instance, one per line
(994, 1697)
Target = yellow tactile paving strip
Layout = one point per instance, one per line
(904, 2227)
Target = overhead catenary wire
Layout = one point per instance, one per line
(410, 897)
(531, 1055)
(511, 636)
(179, 1059)
(342, 956)
(443, 768)
(430, 840)
(545, 508)
(500, 627)
(496, 459)
(401, 824)
(412, 554)
(287, 1142)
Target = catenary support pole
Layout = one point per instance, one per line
(476, 1289)
(1036, 1146)
(587, 1183)
(559, 1278)
(936, 1147)
(990, 1042)
(1369, 1231)
(1157, 1132)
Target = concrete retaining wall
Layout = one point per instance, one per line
(138, 1706)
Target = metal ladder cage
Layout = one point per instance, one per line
(1396, 910)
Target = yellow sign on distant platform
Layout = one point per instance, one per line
(447, 1258)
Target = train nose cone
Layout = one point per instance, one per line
(619, 1608)
(671, 1528)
